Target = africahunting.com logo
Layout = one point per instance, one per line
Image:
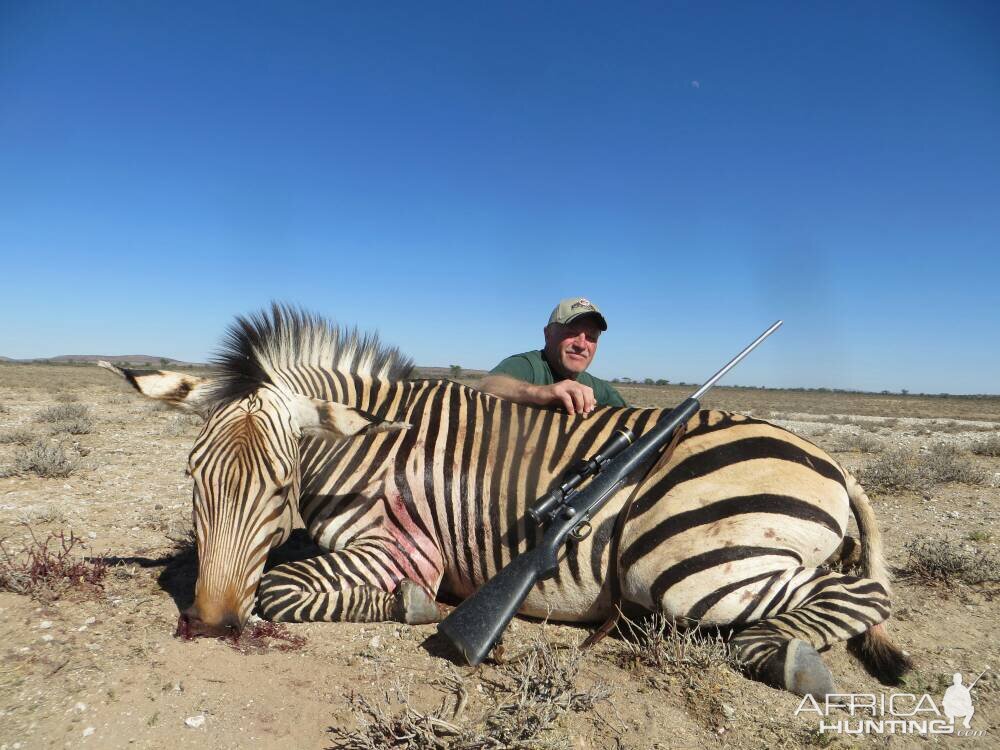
(897, 713)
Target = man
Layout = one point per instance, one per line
(556, 375)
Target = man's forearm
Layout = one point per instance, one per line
(511, 389)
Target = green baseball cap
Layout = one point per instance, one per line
(572, 308)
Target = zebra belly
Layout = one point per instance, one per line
(706, 547)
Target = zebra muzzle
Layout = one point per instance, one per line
(190, 625)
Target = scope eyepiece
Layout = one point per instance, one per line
(542, 508)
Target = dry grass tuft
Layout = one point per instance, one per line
(900, 469)
(66, 398)
(44, 459)
(946, 463)
(657, 643)
(530, 697)
(862, 442)
(19, 436)
(80, 426)
(535, 691)
(989, 446)
(62, 413)
(47, 569)
(895, 470)
(408, 729)
(949, 562)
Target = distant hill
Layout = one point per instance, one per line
(137, 360)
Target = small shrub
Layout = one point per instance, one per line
(47, 569)
(406, 729)
(980, 535)
(863, 442)
(41, 514)
(19, 436)
(81, 426)
(63, 413)
(948, 562)
(530, 696)
(538, 688)
(895, 470)
(66, 398)
(989, 446)
(841, 419)
(44, 459)
(946, 463)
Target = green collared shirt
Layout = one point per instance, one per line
(531, 367)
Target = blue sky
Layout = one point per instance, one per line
(445, 172)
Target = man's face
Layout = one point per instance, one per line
(571, 346)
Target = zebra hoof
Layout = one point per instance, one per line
(804, 672)
(413, 604)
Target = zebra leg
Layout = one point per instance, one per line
(347, 585)
(812, 610)
(847, 554)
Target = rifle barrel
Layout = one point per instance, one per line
(735, 361)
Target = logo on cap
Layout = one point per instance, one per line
(582, 302)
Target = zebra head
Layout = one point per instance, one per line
(245, 468)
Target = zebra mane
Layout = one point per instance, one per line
(269, 346)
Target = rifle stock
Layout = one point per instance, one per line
(477, 624)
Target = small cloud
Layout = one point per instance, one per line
(696, 84)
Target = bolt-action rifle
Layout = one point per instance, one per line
(477, 624)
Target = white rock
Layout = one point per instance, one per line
(45, 624)
(195, 721)
(375, 642)
(47, 638)
(88, 731)
(91, 535)
(80, 707)
(90, 621)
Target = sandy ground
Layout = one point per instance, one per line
(100, 667)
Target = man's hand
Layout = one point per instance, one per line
(574, 397)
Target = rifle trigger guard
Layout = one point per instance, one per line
(582, 531)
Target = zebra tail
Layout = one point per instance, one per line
(872, 561)
(880, 655)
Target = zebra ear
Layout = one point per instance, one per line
(337, 421)
(176, 388)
